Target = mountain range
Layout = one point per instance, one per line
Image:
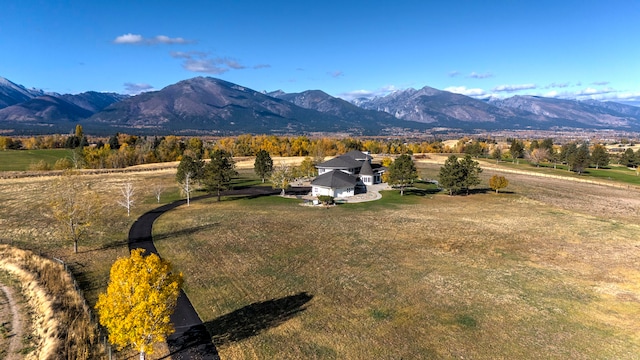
(205, 105)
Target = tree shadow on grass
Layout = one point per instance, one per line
(255, 318)
(184, 232)
(420, 192)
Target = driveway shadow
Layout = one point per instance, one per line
(255, 318)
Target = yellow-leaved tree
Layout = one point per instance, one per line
(140, 298)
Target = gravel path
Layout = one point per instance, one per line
(9, 310)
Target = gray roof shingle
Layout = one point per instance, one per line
(335, 179)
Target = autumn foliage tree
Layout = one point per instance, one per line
(281, 178)
(498, 182)
(140, 298)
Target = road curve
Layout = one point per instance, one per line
(191, 339)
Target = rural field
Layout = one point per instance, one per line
(548, 269)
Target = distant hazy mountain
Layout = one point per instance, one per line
(616, 107)
(11, 93)
(93, 101)
(325, 103)
(42, 111)
(439, 108)
(209, 104)
(549, 112)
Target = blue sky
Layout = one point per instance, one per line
(572, 49)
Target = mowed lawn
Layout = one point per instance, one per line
(549, 270)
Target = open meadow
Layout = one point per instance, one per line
(548, 269)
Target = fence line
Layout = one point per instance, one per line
(101, 332)
(560, 177)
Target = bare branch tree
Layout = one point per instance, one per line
(72, 205)
(186, 187)
(157, 191)
(127, 199)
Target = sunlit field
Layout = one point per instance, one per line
(547, 270)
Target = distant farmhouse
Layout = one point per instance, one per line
(346, 175)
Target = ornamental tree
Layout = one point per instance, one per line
(140, 298)
(498, 182)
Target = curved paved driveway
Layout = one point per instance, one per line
(191, 339)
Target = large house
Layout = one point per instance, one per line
(346, 175)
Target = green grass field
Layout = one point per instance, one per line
(20, 160)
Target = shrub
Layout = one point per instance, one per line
(63, 164)
(40, 166)
(325, 199)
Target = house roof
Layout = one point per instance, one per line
(366, 169)
(341, 162)
(358, 155)
(335, 179)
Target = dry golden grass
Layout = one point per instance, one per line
(550, 271)
(61, 324)
(26, 223)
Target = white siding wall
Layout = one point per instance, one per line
(345, 192)
(318, 191)
(336, 193)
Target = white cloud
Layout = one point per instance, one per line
(475, 75)
(462, 90)
(134, 89)
(197, 61)
(556, 85)
(167, 40)
(128, 39)
(514, 88)
(139, 39)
